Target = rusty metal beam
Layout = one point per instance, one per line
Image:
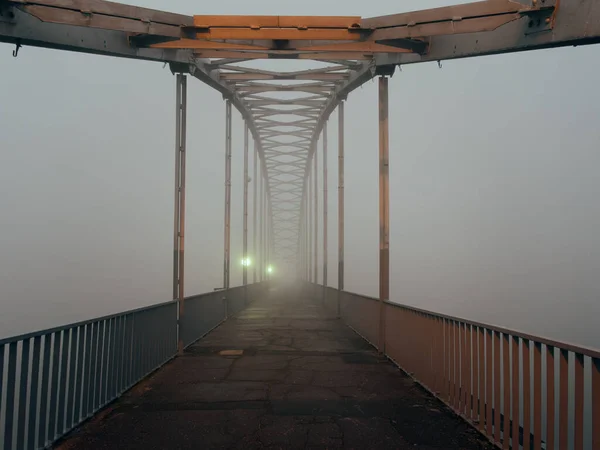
(341, 228)
(325, 212)
(227, 225)
(384, 208)
(179, 217)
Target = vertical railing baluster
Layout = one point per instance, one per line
(73, 362)
(550, 398)
(595, 402)
(55, 385)
(126, 354)
(537, 396)
(436, 354)
(481, 333)
(62, 391)
(563, 399)
(110, 389)
(506, 390)
(137, 350)
(497, 409)
(579, 387)
(464, 376)
(443, 383)
(489, 382)
(11, 380)
(96, 366)
(470, 376)
(515, 392)
(100, 376)
(42, 431)
(456, 326)
(119, 356)
(79, 376)
(88, 375)
(2, 415)
(33, 392)
(23, 390)
(107, 366)
(451, 355)
(526, 395)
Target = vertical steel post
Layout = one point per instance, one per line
(254, 213)
(227, 231)
(325, 204)
(309, 226)
(308, 229)
(316, 216)
(177, 187)
(245, 237)
(340, 205)
(300, 248)
(269, 236)
(179, 219)
(384, 209)
(265, 225)
(261, 221)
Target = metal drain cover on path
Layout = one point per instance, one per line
(231, 352)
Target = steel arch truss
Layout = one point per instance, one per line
(286, 110)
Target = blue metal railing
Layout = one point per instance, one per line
(52, 380)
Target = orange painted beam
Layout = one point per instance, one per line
(353, 48)
(283, 55)
(212, 21)
(206, 45)
(367, 47)
(311, 34)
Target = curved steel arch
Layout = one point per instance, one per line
(350, 51)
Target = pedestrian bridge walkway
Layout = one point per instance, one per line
(275, 365)
(284, 373)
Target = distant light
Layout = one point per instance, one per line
(246, 262)
(270, 269)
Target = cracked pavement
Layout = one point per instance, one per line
(303, 381)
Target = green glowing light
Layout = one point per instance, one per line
(246, 262)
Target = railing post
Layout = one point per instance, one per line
(384, 208)
(340, 206)
(245, 236)
(227, 229)
(324, 211)
(179, 219)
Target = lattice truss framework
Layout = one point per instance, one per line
(286, 107)
(286, 110)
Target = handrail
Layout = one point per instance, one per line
(34, 334)
(52, 380)
(482, 371)
(576, 348)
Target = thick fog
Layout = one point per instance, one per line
(493, 174)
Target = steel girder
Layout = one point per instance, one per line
(287, 110)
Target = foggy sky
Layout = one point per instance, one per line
(493, 175)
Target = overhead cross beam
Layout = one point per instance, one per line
(286, 110)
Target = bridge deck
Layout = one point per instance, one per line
(304, 380)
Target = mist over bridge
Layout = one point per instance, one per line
(286, 112)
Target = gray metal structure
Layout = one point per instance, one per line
(285, 112)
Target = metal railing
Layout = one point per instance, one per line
(519, 390)
(52, 380)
